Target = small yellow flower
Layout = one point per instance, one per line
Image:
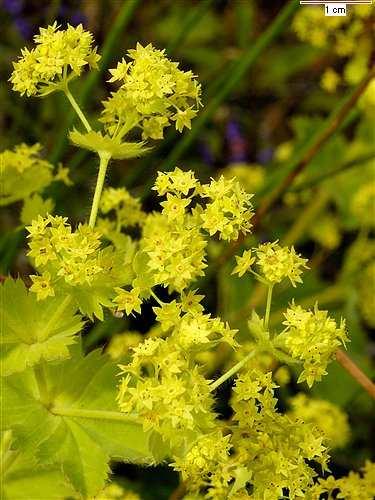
(42, 286)
(330, 80)
(128, 301)
(244, 263)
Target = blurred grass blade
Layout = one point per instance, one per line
(349, 165)
(192, 19)
(122, 20)
(238, 70)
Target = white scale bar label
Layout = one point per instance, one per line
(335, 9)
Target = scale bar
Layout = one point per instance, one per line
(347, 2)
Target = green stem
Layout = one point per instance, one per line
(42, 384)
(160, 302)
(268, 307)
(232, 371)
(104, 159)
(94, 414)
(76, 108)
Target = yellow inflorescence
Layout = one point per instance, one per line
(153, 93)
(70, 255)
(311, 337)
(128, 210)
(59, 55)
(329, 418)
(274, 263)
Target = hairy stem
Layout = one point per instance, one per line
(93, 414)
(268, 307)
(355, 372)
(104, 159)
(77, 109)
(214, 385)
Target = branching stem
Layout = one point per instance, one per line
(214, 385)
(104, 160)
(355, 372)
(93, 414)
(76, 108)
(268, 307)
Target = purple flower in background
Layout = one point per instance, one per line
(265, 155)
(206, 153)
(78, 18)
(236, 143)
(23, 26)
(13, 6)
(74, 17)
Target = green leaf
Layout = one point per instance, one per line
(95, 141)
(24, 480)
(34, 206)
(79, 428)
(33, 330)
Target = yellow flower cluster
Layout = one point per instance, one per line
(311, 337)
(329, 418)
(272, 447)
(199, 464)
(173, 240)
(128, 301)
(23, 172)
(274, 262)
(352, 487)
(349, 35)
(191, 328)
(128, 210)
(175, 247)
(261, 449)
(73, 263)
(177, 182)
(59, 56)
(166, 392)
(153, 93)
(228, 210)
(72, 254)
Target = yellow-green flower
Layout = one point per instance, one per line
(128, 301)
(244, 263)
(59, 56)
